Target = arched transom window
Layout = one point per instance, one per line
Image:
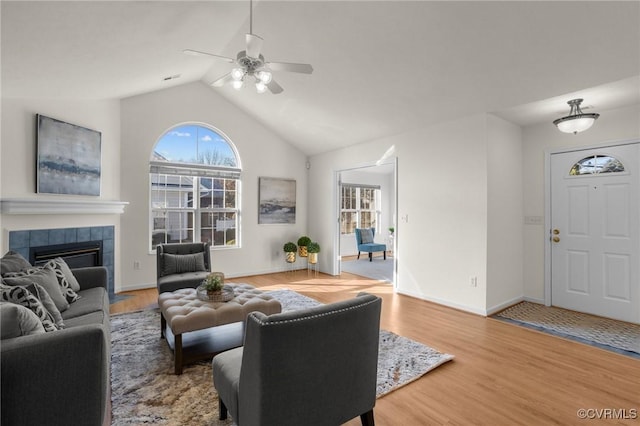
(596, 164)
(194, 175)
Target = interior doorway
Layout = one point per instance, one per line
(367, 198)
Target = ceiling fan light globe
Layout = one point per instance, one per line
(237, 74)
(261, 87)
(265, 76)
(237, 84)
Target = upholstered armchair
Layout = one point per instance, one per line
(365, 242)
(181, 265)
(315, 366)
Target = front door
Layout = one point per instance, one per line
(595, 233)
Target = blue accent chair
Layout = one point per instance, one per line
(368, 245)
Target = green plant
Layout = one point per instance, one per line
(213, 282)
(304, 241)
(392, 229)
(289, 247)
(313, 247)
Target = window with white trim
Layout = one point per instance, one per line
(194, 179)
(360, 207)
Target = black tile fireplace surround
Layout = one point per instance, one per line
(86, 246)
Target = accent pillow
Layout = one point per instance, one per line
(18, 321)
(65, 286)
(180, 263)
(13, 262)
(42, 295)
(68, 275)
(46, 277)
(366, 235)
(21, 296)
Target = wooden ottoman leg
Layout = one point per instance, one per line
(177, 354)
(163, 325)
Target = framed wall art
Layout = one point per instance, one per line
(68, 158)
(277, 201)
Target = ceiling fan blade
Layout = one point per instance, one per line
(274, 87)
(254, 45)
(198, 53)
(286, 66)
(222, 80)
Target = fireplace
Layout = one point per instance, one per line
(79, 247)
(76, 255)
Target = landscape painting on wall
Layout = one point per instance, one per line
(277, 201)
(68, 158)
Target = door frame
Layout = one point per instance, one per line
(547, 202)
(337, 270)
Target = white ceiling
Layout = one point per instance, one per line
(380, 68)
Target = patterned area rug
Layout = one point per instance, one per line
(621, 337)
(145, 390)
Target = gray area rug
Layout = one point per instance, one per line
(145, 390)
(619, 336)
(378, 269)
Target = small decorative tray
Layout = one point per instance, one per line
(223, 295)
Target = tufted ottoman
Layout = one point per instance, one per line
(208, 327)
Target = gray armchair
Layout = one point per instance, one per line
(315, 366)
(181, 265)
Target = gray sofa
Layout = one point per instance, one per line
(62, 377)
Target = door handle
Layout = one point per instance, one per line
(556, 239)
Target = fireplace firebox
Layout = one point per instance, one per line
(76, 255)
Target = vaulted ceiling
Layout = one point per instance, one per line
(380, 67)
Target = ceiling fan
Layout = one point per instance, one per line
(251, 64)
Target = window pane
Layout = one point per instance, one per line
(195, 144)
(219, 228)
(367, 219)
(348, 222)
(595, 165)
(367, 199)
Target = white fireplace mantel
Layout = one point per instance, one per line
(60, 206)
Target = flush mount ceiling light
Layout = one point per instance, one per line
(577, 121)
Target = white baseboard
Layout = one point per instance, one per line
(444, 302)
(533, 300)
(492, 310)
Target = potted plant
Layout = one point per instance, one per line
(213, 283)
(313, 249)
(290, 250)
(303, 242)
(392, 230)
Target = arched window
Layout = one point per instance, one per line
(596, 164)
(194, 176)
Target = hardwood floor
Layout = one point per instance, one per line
(502, 374)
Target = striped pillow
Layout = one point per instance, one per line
(181, 263)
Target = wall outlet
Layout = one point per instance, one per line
(136, 265)
(473, 281)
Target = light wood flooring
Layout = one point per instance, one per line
(502, 374)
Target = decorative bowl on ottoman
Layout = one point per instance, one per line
(223, 295)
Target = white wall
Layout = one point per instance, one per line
(613, 125)
(442, 208)
(145, 118)
(505, 217)
(18, 160)
(387, 205)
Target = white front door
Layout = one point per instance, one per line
(595, 231)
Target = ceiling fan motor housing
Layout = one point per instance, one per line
(250, 65)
